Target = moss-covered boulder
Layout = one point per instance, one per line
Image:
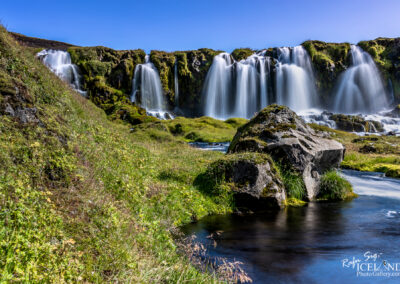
(355, 123)
(279, 132)
(251, 178)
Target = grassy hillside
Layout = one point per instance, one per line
(83, 198)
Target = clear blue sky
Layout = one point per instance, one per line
(190, 24)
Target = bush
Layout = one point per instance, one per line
(334, 187)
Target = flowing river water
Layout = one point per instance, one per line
(354, 241)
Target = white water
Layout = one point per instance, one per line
(236, 89)
(360, 88)
(294, 79)
(240, 89)
(147, 90)
(59, 62)
(373, 184)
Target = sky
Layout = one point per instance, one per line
(190, 24)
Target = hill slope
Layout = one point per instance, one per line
(83, 198)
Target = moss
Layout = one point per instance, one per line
(218, 178)
(107, 76)
(294, 202)
(329, 60)
(386, 54)
(165, 62)
(241, 53)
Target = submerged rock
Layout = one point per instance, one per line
(279, 132)
(252, 177)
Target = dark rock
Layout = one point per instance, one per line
(355, 123)
(9, 110)
(278, 131)
(395, 113)
(27, 115)
(367, 149)
(252, 177)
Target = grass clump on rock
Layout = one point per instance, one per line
(335, 187)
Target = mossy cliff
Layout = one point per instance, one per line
(329, 60)
(192, 67)
(242, 53)
(386, 54)
(107, 76)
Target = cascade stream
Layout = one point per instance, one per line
(59, 62)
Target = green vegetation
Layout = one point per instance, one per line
(203, 129)
(294, 185)
(334, 187)
(165, 62)
(329, 60)
(241, 53)
(369, 153)
(386, 53)
(107, 76)
(83, 199)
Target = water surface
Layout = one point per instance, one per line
(309, 244)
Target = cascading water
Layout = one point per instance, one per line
(236, 89)
(360, 89)
(147, 90)
(59, 62)
(240, 89)
(295, 84)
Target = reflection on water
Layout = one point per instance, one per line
(308, 244)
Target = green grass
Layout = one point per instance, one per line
(85, 199)
(334, 187)
(385, 158)
(294, 185)
(203, 129)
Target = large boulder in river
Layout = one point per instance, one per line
(279, 132)
(251, 177)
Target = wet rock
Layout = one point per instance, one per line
(279, 132)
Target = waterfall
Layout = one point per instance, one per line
(176, 84)
(295, 83)
(236, 89)
(240, 89)
(360, 88)
(59, 62)
(147, 90)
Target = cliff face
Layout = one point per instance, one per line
(192, 68)
(386, 54)
(329, 60)
(107, 74)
